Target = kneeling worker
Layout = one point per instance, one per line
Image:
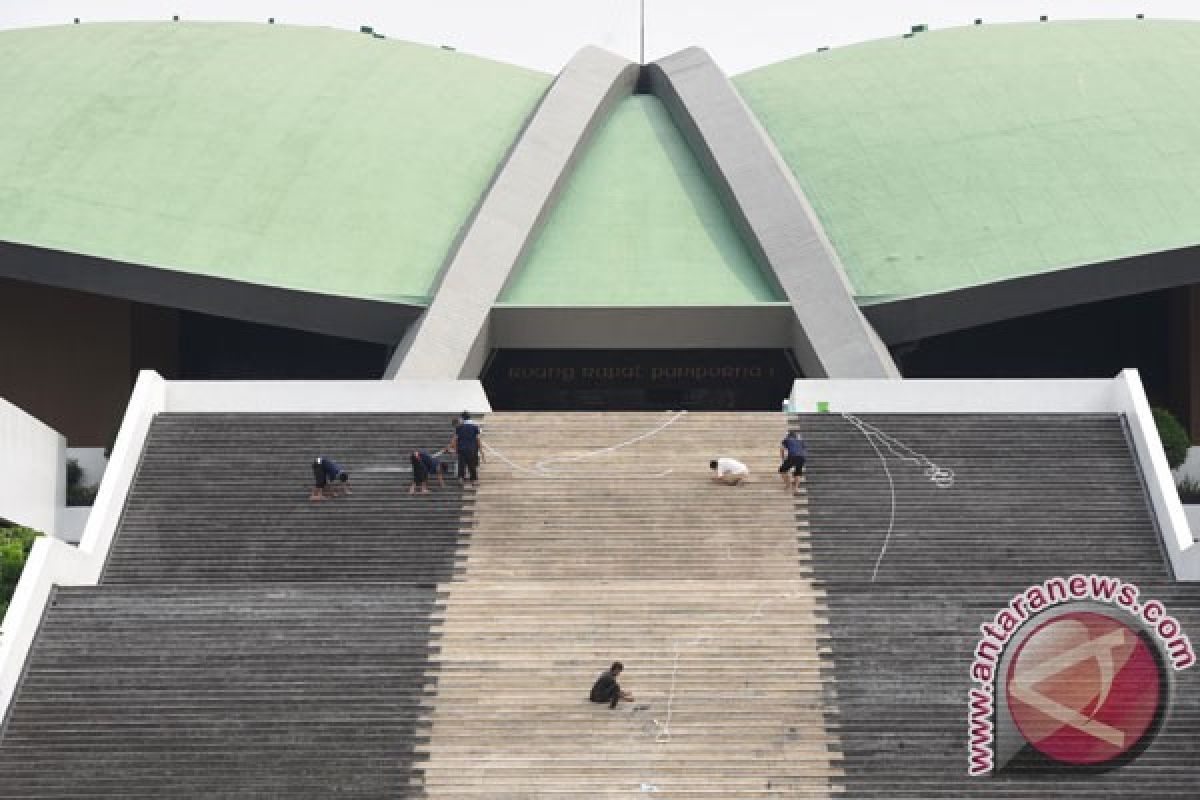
(326, 472)
(730, 471)
(423, 465)
(607, 690)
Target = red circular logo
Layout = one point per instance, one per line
(1084, 688)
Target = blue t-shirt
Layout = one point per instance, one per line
(331, 468)
(794, 447)
(467, 437)
(429, 461)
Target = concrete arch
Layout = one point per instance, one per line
(451, 340)
(831, 337)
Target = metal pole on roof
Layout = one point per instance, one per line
(642, 32)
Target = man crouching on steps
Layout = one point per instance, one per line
(607, 690)
(423, 466)
(729, 471)
(327, 475)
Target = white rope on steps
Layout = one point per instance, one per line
(941, 477)
(662, 734)
(541, 468)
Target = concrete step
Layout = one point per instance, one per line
(1034, 496)
(700, 589)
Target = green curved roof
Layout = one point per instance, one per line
(638, 224)
(303, 158)
(967, 156)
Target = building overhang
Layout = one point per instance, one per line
(910, 319)
(332, 315)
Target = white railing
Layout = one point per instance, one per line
(54, 563)
(344, 397)
(962, 396)
(1120, 395)
(148, 398)
(1177, 538)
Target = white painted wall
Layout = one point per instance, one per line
(1193, 516)
(1122, 395)
(544, 34)
(32, 470)
(72, 522)
(954, 396)
(327, 396)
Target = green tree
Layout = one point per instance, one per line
(1174, 438)
(15, 544)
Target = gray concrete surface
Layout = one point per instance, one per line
(451, 340)
(832, 339)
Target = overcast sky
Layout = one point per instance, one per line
(543, 34)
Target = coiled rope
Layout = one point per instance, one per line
(941, 477)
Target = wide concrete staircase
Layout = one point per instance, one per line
(600, 537)
(1033, 497)
(291, 691)
(223, 497)
(244, 641)
(248, 643)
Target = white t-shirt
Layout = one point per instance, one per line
(730, 466)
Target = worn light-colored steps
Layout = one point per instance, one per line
(600, 537)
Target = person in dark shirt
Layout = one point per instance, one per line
(423, 465)
(468, 445)
(327, 474)
(607, 690)
(794, 453)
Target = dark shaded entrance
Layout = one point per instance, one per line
(639, 380)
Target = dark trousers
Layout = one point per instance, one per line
(794, 463)
(606, 694)
(468, 464)
(420, 472)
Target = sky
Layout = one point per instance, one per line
(543, 34)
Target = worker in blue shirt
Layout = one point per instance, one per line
(329, 479)
(424, 464)
(468, 445)
(794, 453)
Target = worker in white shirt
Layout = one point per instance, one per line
(729, 471)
